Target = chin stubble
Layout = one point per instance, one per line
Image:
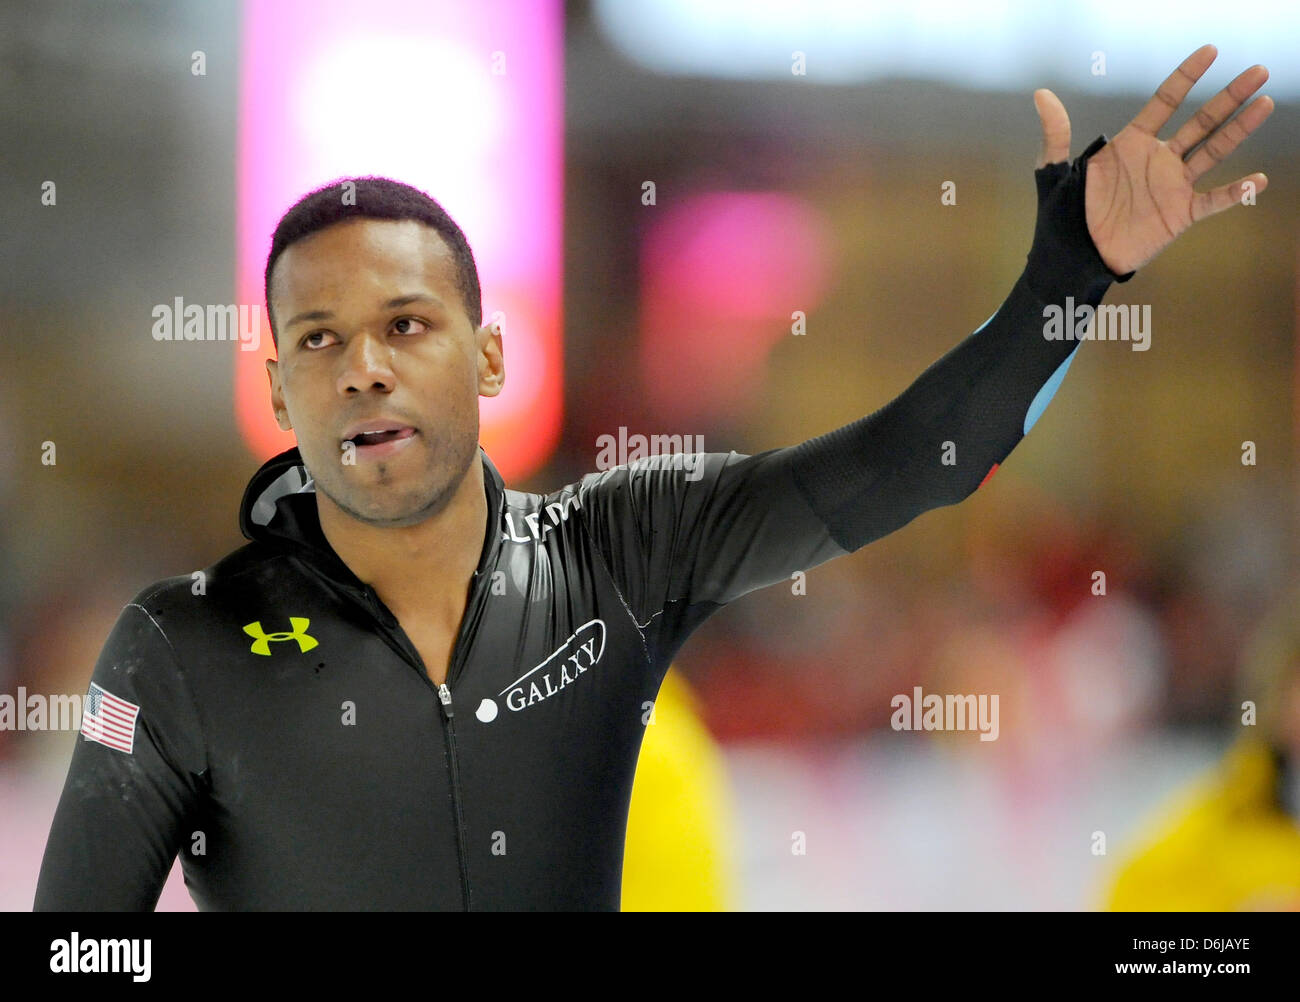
(435, 504)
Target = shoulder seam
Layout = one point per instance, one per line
(609, 573)
(180, 673)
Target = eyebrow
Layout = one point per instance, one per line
(392, 304)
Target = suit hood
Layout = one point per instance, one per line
(278, 510)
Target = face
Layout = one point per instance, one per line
(374, 339)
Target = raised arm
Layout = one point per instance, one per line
(1114, 209)
(682, 542)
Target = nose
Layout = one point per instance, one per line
(366, 365)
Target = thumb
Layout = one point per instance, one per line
(1056, 127)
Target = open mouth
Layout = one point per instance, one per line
(380, 442)
(379, 437)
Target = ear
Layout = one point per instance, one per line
(278, 407)
(491, 361)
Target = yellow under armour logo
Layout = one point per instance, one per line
(262, 643)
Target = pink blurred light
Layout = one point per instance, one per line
(721, 276)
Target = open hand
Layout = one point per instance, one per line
(1139, 195)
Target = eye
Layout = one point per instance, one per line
(408, 320)
(307, 338)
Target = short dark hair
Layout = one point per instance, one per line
(374, 198)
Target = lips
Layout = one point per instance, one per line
(378, 436)
(377, 431)
(373, 438)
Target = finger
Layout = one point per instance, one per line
(1169, 95)
(1056, 128)
(1225, 197)
(1218, 109)
(1228, 138)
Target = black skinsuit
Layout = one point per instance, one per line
(286, 725)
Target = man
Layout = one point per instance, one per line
(418, 689)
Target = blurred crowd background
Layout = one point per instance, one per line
(774, 192)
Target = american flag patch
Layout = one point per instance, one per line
(109, 719)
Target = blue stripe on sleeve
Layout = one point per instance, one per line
(1048, 390)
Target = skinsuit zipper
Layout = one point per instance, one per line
(389, 621)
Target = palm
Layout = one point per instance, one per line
(1139, 198)
(1140, 192)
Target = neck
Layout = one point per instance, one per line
(428, 564)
